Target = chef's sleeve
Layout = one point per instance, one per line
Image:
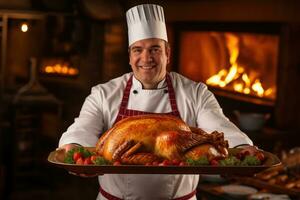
(88, 125)
(210, 117)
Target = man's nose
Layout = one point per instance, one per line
(146, 56)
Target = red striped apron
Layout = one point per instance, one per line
(124, 113)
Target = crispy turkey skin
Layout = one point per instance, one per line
(148, 138)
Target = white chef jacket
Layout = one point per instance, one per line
(197, 107)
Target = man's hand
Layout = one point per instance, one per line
(249, 150)
(68, 147)
(61, 151)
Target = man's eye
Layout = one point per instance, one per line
(155, 50)
(136, 50)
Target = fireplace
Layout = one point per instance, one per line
(239, 55)
(58, 67)
(237, 61)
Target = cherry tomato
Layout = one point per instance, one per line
(148, 164)
(164, 163)
(246, 153)
(260, 156)
(182, 163)
(239, 156)
(76, 156)
(79, 161)
(93, 158)
(242, 154)
(117, 163)
(214, 162)
(155, 163)
(87, 161)
(175, 162)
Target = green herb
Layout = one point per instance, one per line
(230, 161)
(85, 153)
(250, 161)
(101, 161)
(201, 161)
(69, 157)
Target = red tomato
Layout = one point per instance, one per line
(87, 161)
(214, 162)
(165, 163)
(76, 156)
(175, 162)
(246, 153)
(155, 163)
(182, 163)
(116, 163)
(93, 158)
(148, 164)
(239, 156)
(79, 161)
(260, 156)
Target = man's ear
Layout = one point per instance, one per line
(129, 58)
(168, 53)
(128, 54)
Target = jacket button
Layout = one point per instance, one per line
(135, 91)
(165, 91)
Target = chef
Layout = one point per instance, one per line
(149, 88)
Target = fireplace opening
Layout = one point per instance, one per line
(235, 61)
(60, 67)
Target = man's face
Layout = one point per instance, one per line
(148, 59)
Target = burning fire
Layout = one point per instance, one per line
(60, 69)
(236, 77)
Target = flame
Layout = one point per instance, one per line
(60, 69)
(233, 47)
(231, 74)
(48, 69)
(257, 87)
(268, 92)
(238, 87)
(216, 79)
(236, 77)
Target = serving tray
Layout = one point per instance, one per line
(56, 158)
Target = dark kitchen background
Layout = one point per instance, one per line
(53, 51)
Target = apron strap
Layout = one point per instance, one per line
(107, 195)
(125, 100)
(172, 97)
(186, 197)
(124, 112)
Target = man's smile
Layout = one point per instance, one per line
(147, 67)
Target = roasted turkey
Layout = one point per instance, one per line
(148, 138)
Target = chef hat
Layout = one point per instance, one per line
(146, 21)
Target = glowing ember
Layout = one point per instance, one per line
(257, 87)
(60, 69)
